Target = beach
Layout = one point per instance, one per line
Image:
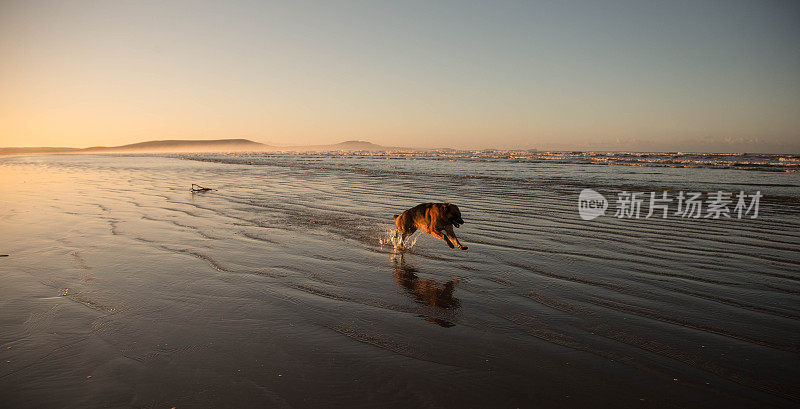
(282, 286)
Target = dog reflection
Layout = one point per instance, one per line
(428, 292)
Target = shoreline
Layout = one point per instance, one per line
(125, 289)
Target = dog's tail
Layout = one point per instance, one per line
(396, 216)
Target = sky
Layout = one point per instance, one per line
(720, 76)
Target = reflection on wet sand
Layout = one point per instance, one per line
(425, 291)
(277, 290)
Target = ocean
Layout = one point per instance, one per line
(284, 286)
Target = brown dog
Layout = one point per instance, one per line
(436, 219)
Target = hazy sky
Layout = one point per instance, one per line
(638, 75)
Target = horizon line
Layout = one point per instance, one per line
(396, 148)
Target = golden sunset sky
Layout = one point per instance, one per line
(616, 75)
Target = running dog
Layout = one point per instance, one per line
(436, 219)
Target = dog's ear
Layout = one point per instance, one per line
(443, 209)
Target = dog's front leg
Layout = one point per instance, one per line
(443, 236)
(450, 235)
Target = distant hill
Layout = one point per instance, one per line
(357, 146)
(346, 146)
(41, 150)
(210, 145)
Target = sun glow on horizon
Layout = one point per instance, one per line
(504, 75)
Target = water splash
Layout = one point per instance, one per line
(391, 238)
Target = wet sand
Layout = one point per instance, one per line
(124, 289)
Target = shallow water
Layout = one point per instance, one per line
(279, 288)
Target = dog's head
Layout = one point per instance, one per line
(453, 214)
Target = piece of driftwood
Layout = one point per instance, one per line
(198, 188)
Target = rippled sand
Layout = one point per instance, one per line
(122, 288)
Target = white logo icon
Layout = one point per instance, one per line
(591, 204)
